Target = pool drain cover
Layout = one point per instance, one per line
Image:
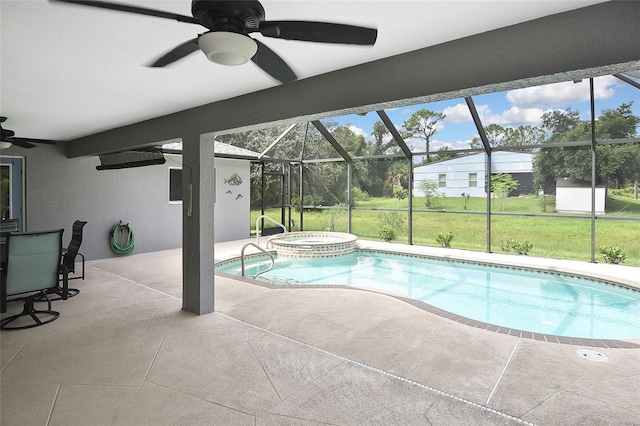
(592, 355)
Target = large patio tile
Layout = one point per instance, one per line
(290, 366)
(352, 395)
(86, 356)
(540, 372)
(24, 404)
(149, 405)
(568, 409)
(218, 365)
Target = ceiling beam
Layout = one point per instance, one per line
(582, 43)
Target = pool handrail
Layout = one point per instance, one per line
(264, 216)
(262, 250)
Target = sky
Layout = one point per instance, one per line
(508, 109)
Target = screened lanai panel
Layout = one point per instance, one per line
(553, 237)
(317, 146)
(324, 184)
(385, 225)
(617, 105)
(618, 234)
(282, 142)
(468, 231)
(438, 128)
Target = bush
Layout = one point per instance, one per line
(430, 189)
(358, 194)
(444, 239)
(521, 247)
(547, 201)
(613, 255)
(399, 192)
(387, 233)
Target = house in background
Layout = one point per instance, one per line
(574, 196)
(467, 174)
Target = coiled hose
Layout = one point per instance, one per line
(121, 244)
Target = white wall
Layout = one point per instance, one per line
(457, 172)
(232, 210)
(578, 200)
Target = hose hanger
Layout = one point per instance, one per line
(121, 238)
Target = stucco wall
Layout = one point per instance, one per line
(232, 210)
(60, 190)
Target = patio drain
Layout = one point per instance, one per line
(592, 355)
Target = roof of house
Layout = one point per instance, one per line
(497, 158)
(222, 149)
(565, 182)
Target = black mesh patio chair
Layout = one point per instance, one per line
(32, 269)
(69, 255)
(69, 260)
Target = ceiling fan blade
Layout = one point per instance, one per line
(322, 32)
(132, 9)
(21, 143)
(32, 140)
(178, 52)
(272, 64)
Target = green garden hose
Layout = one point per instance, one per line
(119, 243)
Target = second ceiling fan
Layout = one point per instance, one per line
(230, 22)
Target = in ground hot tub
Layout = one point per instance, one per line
(313, 244)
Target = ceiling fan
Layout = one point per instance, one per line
(231, 21)
(7, 139)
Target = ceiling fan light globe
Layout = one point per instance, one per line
(5, 144)
(227, 48)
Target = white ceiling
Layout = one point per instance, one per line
(68, 71)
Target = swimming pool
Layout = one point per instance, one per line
(546, 303)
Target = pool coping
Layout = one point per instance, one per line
(550, 338)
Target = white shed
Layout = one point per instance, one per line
(467, 174)
(573, 196)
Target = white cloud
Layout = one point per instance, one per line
(358, 131)
(458, 113)
(437, 144)
(516, 116)
(561, 94)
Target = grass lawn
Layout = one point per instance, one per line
(553, 236)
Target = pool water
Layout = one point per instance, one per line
(526, 300)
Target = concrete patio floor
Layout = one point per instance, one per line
(124, 353)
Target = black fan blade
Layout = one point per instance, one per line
(322, 32)
(273, 64)
(132, 9)
(20, 143)
(179, 52)
(32, 140)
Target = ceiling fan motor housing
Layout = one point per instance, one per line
(229, 16)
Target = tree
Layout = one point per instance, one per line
(445, 153)
(422, 124)
(430, 189)
(494, 133)
(509, 136)
(559, 123)
(380, 133)
(616, 164)
(503, 184)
